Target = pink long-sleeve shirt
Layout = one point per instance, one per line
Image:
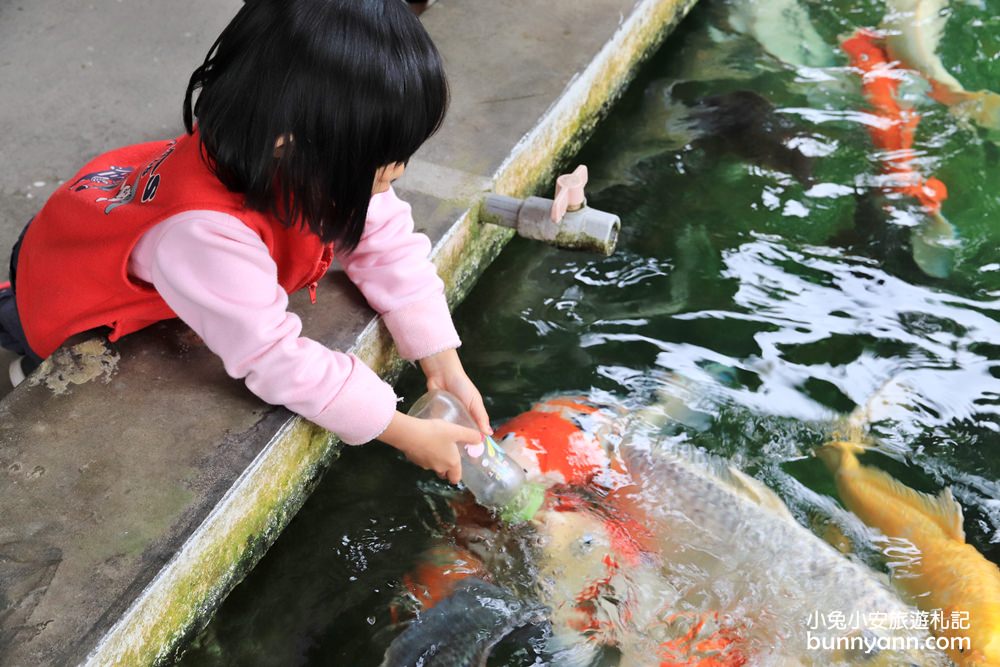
(218, 276)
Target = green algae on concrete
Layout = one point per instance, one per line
(570, 122)
(222, 550)
(228, 544)
(471, 245)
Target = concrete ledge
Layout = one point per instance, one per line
(139, 484)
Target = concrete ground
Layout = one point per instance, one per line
(80, 78)
(138, 483)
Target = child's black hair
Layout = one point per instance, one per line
(349, 86)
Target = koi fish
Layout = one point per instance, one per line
(783, 29)
(597, 576)
(914, 29)
(740, 122)
(465, 626)
(748, 125)
(949, 574)
(637, 546)
(713, 520)
(892, 129)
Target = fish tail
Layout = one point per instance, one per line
(982, 107)
(986, 109)
(942, 509)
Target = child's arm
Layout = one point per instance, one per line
(391, 268)
(218, 276)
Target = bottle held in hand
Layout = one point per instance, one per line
(495, 479)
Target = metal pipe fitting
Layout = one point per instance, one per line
(554, 221)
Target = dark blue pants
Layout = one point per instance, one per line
(11, 332)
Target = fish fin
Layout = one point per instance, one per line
(569, 648)
(942, 509)
(934, 246)
(758, 491)
(982, 107)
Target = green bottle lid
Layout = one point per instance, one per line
(525, 505)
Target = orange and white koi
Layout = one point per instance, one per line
(622, 529)
(894, 125)
(913, 30)
(592, 546)
(892, 129)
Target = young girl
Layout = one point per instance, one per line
(305, 112)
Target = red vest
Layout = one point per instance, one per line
(72, 272)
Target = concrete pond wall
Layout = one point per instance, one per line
(138, 483)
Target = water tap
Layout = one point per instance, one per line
(565, 222)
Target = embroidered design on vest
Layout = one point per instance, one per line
(106, 180)
(126, 193)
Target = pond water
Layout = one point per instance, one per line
(757, 238)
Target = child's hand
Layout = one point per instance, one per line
(431, 444)
(444, 371)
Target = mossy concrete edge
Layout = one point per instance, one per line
(470, 246)
(246, 521)
(186, 593)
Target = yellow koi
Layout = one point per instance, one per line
(949, 574)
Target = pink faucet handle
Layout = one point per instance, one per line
(569, 193)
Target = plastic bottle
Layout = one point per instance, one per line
(495, 479)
